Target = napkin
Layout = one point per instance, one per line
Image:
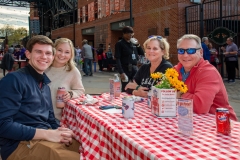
(90, 100)
(87, 100)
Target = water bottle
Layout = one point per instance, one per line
(115, 89)
(117, 86)
(116, 78)
(19, 57)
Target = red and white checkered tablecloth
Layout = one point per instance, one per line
(109, 136)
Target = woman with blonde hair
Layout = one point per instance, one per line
(157, 52)
(64, 73)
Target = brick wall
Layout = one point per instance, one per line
(151, 15)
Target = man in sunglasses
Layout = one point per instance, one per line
(205, 85)
(126, 54)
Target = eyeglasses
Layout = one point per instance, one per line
(158, 37)
(188, 50)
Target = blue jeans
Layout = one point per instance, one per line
(88, 66)
(77, 59)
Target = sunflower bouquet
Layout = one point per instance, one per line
(169, 80)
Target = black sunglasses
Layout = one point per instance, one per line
(158, 37)
(188, 50)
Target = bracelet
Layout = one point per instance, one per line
(71, 93)
(137, 87)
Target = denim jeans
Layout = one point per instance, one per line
(77, 59)
(88, 66)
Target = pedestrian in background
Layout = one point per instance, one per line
(64, 73)
(213, 59)
(22, 52)
(87, 55)
(78, 56)
(99, 52)
(231, 59)
(206, 52)
(7, 61)
(126, 54)
(17, 53)
(110, 62)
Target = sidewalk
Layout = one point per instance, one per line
(233, 90)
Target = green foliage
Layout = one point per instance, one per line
(164, 84)
(14, 35)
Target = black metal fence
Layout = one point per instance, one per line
(202, 19)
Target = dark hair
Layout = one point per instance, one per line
(38, 39)
(127, 29)
(100, 45)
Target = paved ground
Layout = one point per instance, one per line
(233, 90)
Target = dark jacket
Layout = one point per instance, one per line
(7, 60)
(206, 52)
(24, 106)
(123, 54)
(143, 78)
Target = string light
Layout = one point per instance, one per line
(18, 17)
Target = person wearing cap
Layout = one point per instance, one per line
(126, 54)
(204, 83)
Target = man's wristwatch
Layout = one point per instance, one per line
(71, 93)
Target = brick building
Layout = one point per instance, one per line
(34, 24)
(102, 22)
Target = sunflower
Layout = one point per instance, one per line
(169, 80)
(156, 75)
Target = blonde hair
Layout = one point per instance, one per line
(190, 36)
(70, 64)
(163, 44)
